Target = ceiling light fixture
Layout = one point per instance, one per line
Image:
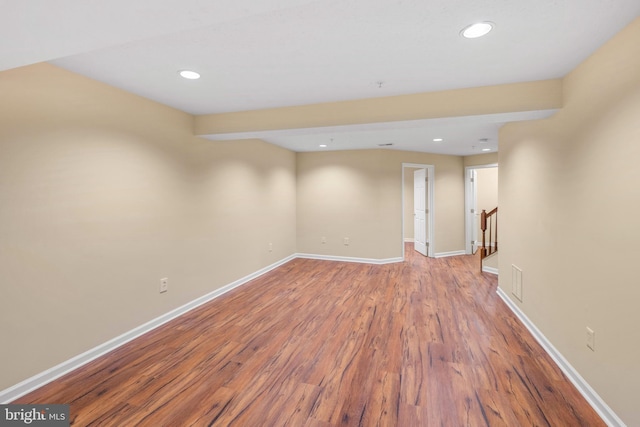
(323, 145)
(437, 140)
(188, 74)
(486, 149)
(476, 30)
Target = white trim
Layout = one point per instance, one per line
(447, 254)
(39, 380)
(431, 173)
(350, 259)
(478, 244)
(596, 402)
(408, 240)
(470, 202)
(491, 270)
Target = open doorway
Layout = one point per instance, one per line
(481, 192)
(418, 207)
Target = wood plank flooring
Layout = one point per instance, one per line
(426, 342)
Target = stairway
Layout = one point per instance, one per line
(489, 228)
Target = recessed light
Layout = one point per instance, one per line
(476, 30)
(486, 149)
(188, 74)
(437, 140)
(323, 145)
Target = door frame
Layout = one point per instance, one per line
(420, 194)
(469, 199)
(430, 205)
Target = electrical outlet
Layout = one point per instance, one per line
(270, 247)
(346, 241)
(164, 285)
(323, 240)
(591, 339)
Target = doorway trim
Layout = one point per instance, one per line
(430, 205)
(470, 203)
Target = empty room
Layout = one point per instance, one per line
(305, 213)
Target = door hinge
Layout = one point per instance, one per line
(473, 210)
(471, 180)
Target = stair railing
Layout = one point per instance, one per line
(489, 221)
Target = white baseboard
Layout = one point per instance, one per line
(491, 270)
(38, 380)
(350, 259)
(409, 240)
(446, 254)
(478, 244)
(596, 402)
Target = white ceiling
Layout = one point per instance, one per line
(256, 54)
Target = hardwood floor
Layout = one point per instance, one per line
(317, 343)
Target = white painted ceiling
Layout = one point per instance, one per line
(256, 54)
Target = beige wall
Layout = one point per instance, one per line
(408, 230)
(102, 193)
(569, 198)
(487, 188)
(358, 194)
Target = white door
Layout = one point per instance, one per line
(472, 214)
(420, 211)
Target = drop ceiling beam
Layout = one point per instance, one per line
(508, 98)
